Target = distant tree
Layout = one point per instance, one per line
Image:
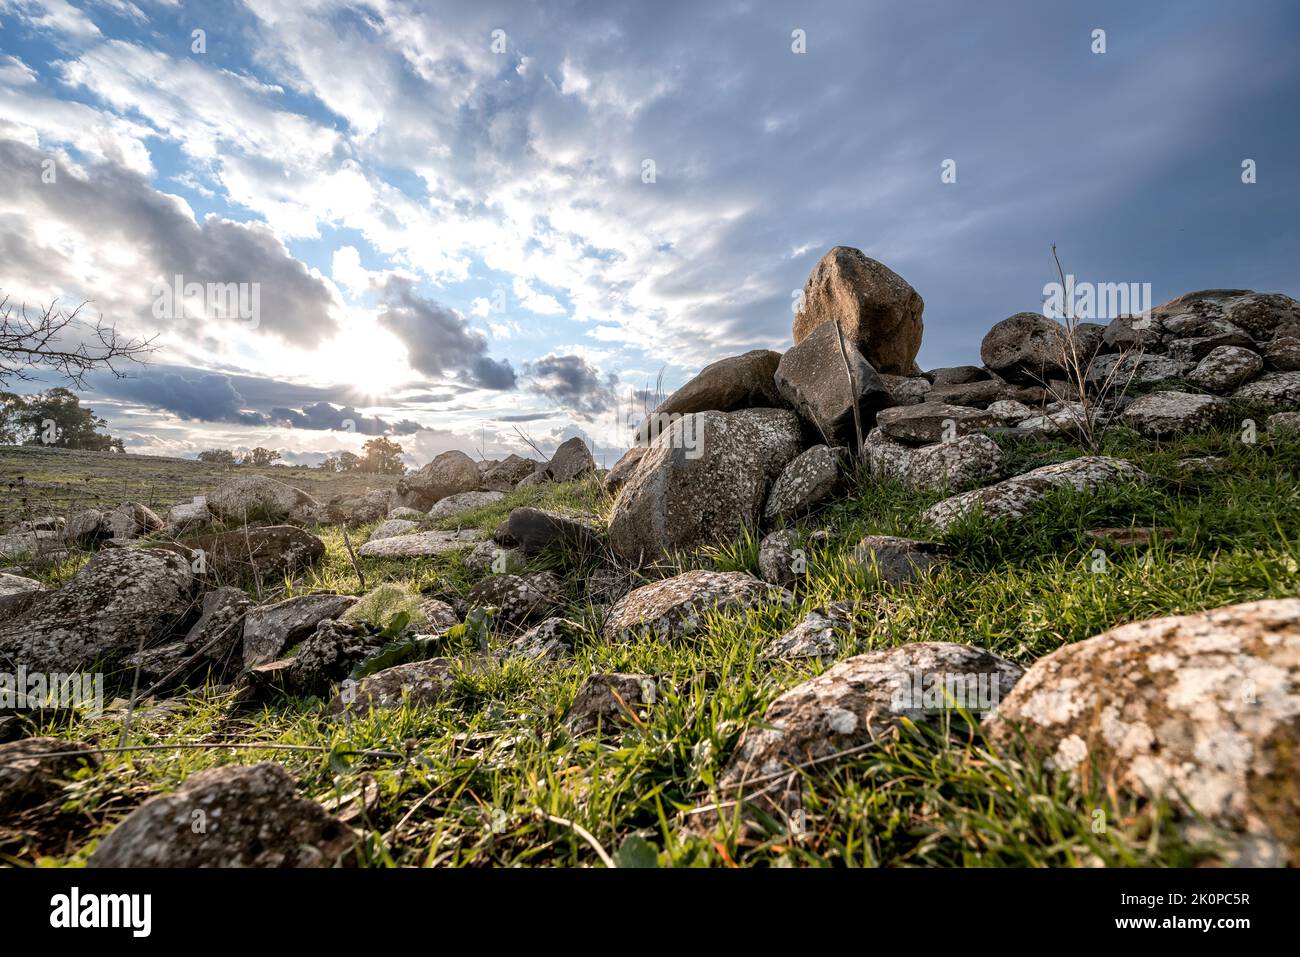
(383, 456)
(217, 457)
(260, 457)
(343, 462)
(52, 339)
(53, 418)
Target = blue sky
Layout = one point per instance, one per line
(444, 209)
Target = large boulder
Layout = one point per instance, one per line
(702, 481)
(254, 554)
(1012, 498)
(119, 599)
(448, 473)
(536, 530)
(1026, 347)
(677, 607)
(1200, 710)
(572, 460)
(1277, 389)
(1162, 414)
(814, 381)
(623, 469)
(509, 472)
(854, 703)
(228, 817)
(737, 382)
(954, 464)
(256, 498)
(877, 309)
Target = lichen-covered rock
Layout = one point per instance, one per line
(462, 502)
(677, 607)
(361, 509)
(489, 558)
(1260, 314)
(228, 817)
(623, 469)
(783, 557)
(271, 630)
(1131, 333)
(1026, 347)
(932, 422)
(326, 657)
(188, 515)
(971, 459)
(420, 544)
(812, 638)
(551, 640)
(207, 648)
(1162, 414)
(1283, 353)
(1272, 388)
(1065, 418)
(736, 382)
(1011, 498)
(256, 498)
(702, 481)
(1226, 368)
(1202, 710)
(957, 375)
(509, 472)
(536, 530)
(897, 561)
(814, 381)
(416, 684)
(854, 702)
(29, 544)
(131, 520)
(1009, 411)
(907, 390)
(405, 514)
(27, 780)
(390, 527)
(1118, 372)
(121, 597)
(252, 554)
(1278, 423)
(86, 527)
(610, 701)
(877, 309)
(17, 593)
(519, 599)
(978, 395)
(807, 480)
(448, 473)
(571, 461)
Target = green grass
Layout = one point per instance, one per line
(491, 770)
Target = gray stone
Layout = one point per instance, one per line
(897, 561)
(390, 527)
(551, 640)
(253, 554)
(1283, 422)
(702, 482)
(623, 469)
(1162, 414)
(814, 381)
(251, 816)
(420, 544)
(677, 607)
(1226, 368)
(812, 638)
(932, 422)
(1012, 498)
(1026, 347)
(27, 780)
(609, 701)
(1199, 710)
(736, 382)
(462, 502)
(806, 481)
(960, 462)
(188, 515)
(131, 520)
(17, 593)
(509, 472)
(256, 498)
(120, 598)
(449, 473)
(907, 390)
(519, 599)
(207, 649)
(536, 530)
(271, 630)
(571, 461)
(1272, 388)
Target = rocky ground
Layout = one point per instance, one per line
(833, 610)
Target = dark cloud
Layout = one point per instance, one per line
(115, 207)
(438, 340)
(205, 397)
(322, 416)
(573, 383)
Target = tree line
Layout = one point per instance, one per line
(379, 455)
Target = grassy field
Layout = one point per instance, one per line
(38, 481)
(493, 776)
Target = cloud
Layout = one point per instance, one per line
(205, 397)
(573, 383)
(438, 340)
(322, 416)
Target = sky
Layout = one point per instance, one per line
(491, 226)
